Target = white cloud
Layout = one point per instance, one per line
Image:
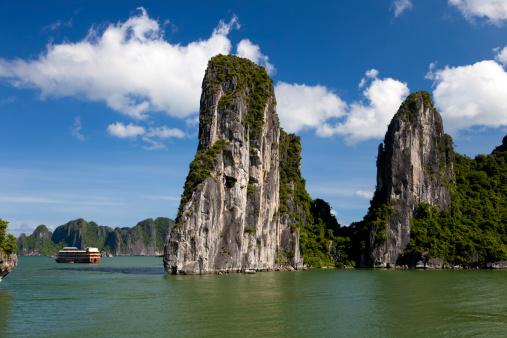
(76, 129)
(165, 132)
(247, 49)
(315, 107)
(224, 28)
(400, 6)
(155, 145)
(501, 56)
(132, 131)
(127, 65)
(120, 130)
(301, 107)
(57, 24)
(364, 193)
(370, 74)
(370, 120)
(471, 95)
(18, 229)
(494, 10)
(192, 122)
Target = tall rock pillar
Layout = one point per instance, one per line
(414, 165)
(227, 219)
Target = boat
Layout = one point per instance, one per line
(72, 254)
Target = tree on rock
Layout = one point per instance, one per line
(7, 243)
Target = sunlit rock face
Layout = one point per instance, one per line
(414, 165)
(7, 263)
(228, 218)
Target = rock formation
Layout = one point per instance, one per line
(7, 263)
(414, 165)
(228, 218)
(80, 234)
(501, 148)
(41, 239)
(147, 238)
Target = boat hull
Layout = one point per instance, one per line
(79, 260)
(73, 255)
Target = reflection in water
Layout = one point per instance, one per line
(126, 270)
(277, 303)
(443, 302)
(5, 309)
(134, 296)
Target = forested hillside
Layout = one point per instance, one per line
(146, 238)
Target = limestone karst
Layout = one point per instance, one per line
(414, 165)
(229, 214)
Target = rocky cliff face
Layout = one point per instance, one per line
(228, 218)
(36, 244)
(81, 234)
(7, 263)
(415, 164)
(147, 238)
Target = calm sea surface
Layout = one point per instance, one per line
(133, 296)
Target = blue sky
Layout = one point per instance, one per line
(99, 99)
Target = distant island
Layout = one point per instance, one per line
(147, 238)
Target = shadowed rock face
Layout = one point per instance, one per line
(227, 220)
(414, 165)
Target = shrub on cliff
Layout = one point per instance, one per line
(7, 242)
(477, 221)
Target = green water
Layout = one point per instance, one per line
(133, 296)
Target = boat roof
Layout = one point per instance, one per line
(70, 248)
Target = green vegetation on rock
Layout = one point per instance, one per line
(7, 242)
(79, 233)
(476, 225)
(245, 74)
(40, 242)
(358, 233)
(200, 169)
(318, 228)
(409, 106)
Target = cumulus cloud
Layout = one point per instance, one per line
(303, 107)
(165, 132)
(501, 56)
(365, 194)
(120, 130)
(471, 95)
(132, 131)
(494, 10)
(369, 120)
(370, 74)
(247, 49)
(127, 65)
(316, 107)
(400, 6)
(76, 129)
